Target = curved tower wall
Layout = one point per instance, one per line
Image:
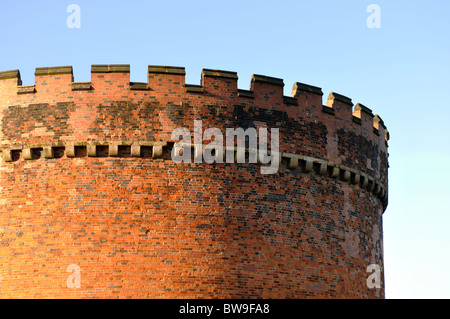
(90, 194)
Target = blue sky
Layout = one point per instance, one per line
(401, 71)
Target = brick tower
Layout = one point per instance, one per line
(93, 206)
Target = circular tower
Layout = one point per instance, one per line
(93, 205)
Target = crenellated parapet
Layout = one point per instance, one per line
(168, 79)
(110, 107)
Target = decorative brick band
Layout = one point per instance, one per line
(302, 163)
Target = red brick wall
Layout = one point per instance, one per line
(145, 227)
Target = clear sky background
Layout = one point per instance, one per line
(401, 71)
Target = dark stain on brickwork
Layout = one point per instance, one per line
(121, 117)
(296, 135)
(177, 113)
(364, 150)
(36, 121)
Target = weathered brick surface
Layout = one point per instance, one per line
(146, 227)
